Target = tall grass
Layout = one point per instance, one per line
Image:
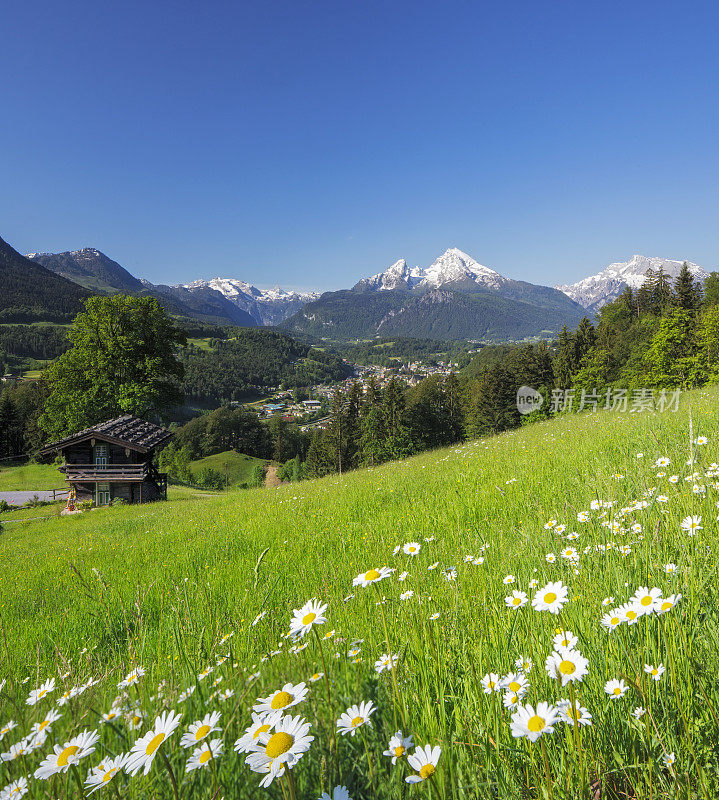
(176, 588)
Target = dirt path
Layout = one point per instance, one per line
(271, 479)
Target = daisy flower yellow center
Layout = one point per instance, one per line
(42, 693)
(399, 751)
(412, 549)
(309, 618)
(316, 676)
(205, 756)
(517, 601)
(617, 690)
(491, 684)
(535, 724)
(44, 724)
(372, 575)
(614, 620)
(573, 713)
(280, 700)
(201, 732)
(655, 671)
(646, 600)
(565, 642)
(550, 597)
(357, 721)
(155, 742)
(631, 614)
(136, 720)
(279, 743)
(426, 771)
(66, 753)
(666, 605)
(567, 667)
(515, 686)
(108, 776)
(261, 729)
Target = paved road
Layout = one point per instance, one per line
(20, 498)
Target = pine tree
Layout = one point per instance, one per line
(565, 362)
(687, 291)
(373, 437)
(662, 295)
(584, 340)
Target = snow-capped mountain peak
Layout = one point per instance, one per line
(597, 290)
(454, 266)
(397, 276)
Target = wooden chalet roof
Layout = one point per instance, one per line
(127, 431)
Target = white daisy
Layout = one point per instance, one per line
(665, 604)
(202, 755)
(575, 714)
(273, 753)
(373, 575)
(565, 639)
(64, 756)
(616, 689)
(201, 729)
(398, 746)
(386, 662)
(339, 793)
(311, 613)
(516, 600)
(14, 790)
(424, 762)
(412, 548)
(355, 717)
(491, 683)
(566, 665)
(691, 525)
(655, 672)
(526, 722)
(286, 697)
(6, 728)
(551, 597)
(261, 723)
(104, 772)
(36, 695)
(145, 749)
(131, 678)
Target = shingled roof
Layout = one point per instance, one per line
(127, 431)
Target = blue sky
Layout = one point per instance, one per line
(311, 143)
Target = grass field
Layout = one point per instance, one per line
(237, 467)
(29, 477)
(200, 593)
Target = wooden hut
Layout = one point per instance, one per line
(114, 459)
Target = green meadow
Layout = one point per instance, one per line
(236, 467)
(199, 592)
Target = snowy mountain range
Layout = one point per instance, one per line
(454, 297)
(265, 306)
(598, 290)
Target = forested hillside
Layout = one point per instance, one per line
(251, 359)
(31, 292)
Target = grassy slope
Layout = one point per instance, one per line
(30, 477)
(189, 566)
(239, 466)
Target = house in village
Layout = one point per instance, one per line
(114, 460)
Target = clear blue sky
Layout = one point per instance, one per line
(312, 143)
